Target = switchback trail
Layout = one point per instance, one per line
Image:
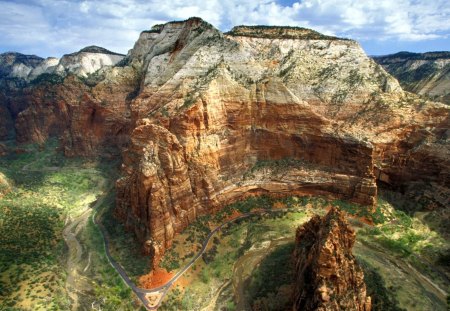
(152, 298)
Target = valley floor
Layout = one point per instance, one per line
(52, 254)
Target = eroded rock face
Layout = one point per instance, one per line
(89, 120)
(213, 106)
(327, 277)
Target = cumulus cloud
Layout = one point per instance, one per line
(49, 27)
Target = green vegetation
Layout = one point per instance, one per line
(189, 100)
(383, 299)
(94, 78)
(48, 78)
(171, 261)
(280, 166)
(124, 247)
(109, 291)
(404, 234)
(178, 300)
(377, 216)
(47, 190)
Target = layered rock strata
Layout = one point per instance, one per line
(213, 107)
(327, 276)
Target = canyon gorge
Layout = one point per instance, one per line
(201, 119)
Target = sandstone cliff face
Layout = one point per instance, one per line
(421, 73)
(89, 120)
(327, 275)
(212, 106)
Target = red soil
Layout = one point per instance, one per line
(155, 278)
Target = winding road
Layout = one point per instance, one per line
(152, 298)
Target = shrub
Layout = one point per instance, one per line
(48, 78)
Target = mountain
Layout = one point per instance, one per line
(426, 74)
(24, 78)
(82, 63)
(204, 118)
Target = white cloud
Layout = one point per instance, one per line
(49, 27)
(381, 19)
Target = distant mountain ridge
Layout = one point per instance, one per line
(88, 60)
(426, 74)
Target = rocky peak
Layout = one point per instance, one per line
(404, 56)
(279, 32)
(86, 61)
(171, 44)
(327, 274)
(95, 49)
(82, 63)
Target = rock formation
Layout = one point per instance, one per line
(212, 106)
(327, 276)
(425, 74)
(196, 111)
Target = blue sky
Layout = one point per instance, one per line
(55, 27)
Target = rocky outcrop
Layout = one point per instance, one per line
(425, 74)
(82, 63)
(87, 61)
(327, 276)
(16, 65)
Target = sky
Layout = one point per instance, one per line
(57, 27)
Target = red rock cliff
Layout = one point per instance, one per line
(212, 107)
